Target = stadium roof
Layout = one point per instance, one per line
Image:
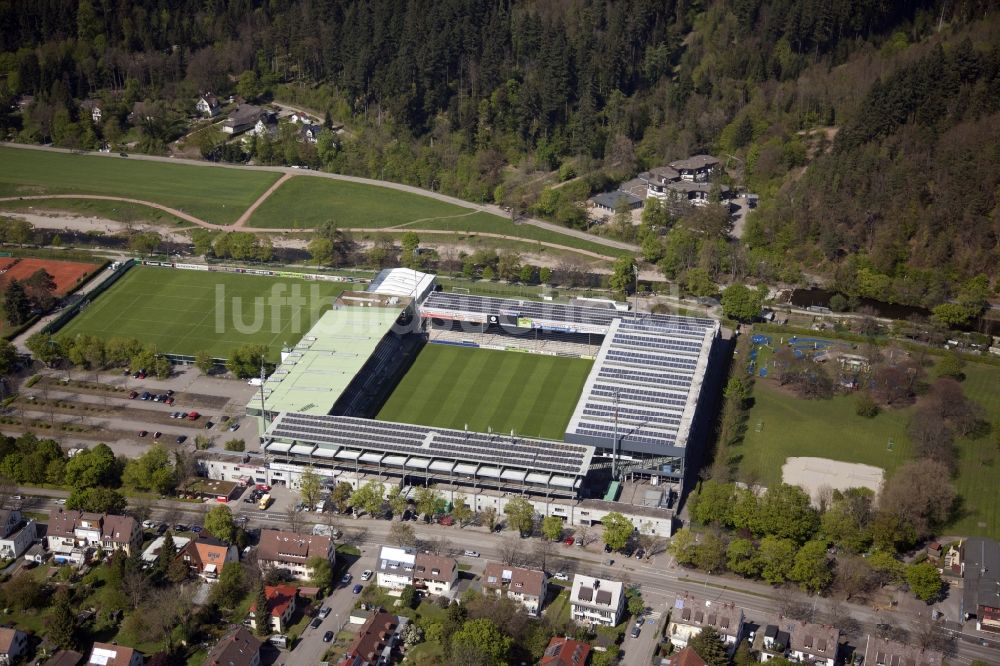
(313, 375)
(402, 282)
(500, 458)
(552, 316)
(654, 372)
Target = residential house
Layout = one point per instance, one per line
(106, 654)
(267, 125)
(981, 591)
(686, 657)
(394, 570)
(65, 658)
(281, 601)
(696, 169)
(565, 651)
(236, 648)
(291, 552)
(596, 601)
(16, 534)
(526, 586)
(208, 105)
(310, 132)
(244, 117)
(152, 552)
(435, 573)
(92, 108)
(207, 556)
(36, 553)
(70, 533)
(376, 641)
(120, 533)
(799, 641)
(883, 652)
(691, 614)
(13, 644)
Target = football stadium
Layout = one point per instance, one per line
(492, 396)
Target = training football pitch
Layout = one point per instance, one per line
(185, 312)
(451, 387)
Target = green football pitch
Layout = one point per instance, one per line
(185, 312)
(455, 387)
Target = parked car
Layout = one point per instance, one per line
(607, 548)
(346, 578)
(60, 501)
(170, 391)
(447, 521)
(181, 439)
(133, 395)
(145, 395)
(639, 554)
(157, 434)
(169, 400)
(561, 576)
(315, 623)
(193, 416)
(357, 588)
(327, 637)
(148, 524)
(471, 553)
(234, 427)
(324, 612)
(366, 574)
(568, 541)
(143, 433)
(208, 425)
(635, 632)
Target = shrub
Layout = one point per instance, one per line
(866, 406)
(236, 445)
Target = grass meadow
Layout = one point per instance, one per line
(781, 425)
(184, 312)
(451, 387)
(212, 194)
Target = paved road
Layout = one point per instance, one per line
(487, 208)
(659, 580)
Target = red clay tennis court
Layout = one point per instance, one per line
(67, 274)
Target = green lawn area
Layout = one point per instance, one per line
(558, 611)
(184, 312)
(109, 210)
(781, 425)
(217, 195)
(305, 202)
(977, 471)
(450, 387)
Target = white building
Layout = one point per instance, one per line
(394, 569)
(597, 601)
(16, 534)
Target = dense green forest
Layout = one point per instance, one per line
(867, 127)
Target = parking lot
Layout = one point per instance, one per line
(130, 412)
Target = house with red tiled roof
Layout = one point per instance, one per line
(107, 654)
(435, 573)
(686, 657)
(565, 651)
(281, 600)
(207, 556)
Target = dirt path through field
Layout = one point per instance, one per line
(238, 224)
(359, 230)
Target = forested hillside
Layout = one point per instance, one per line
(537, 104)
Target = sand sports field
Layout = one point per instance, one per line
(815, 474)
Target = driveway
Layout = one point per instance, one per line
(311, 648)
